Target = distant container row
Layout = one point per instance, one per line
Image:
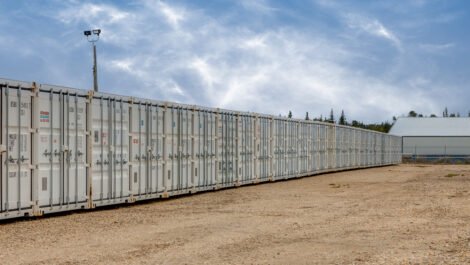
(64, 149)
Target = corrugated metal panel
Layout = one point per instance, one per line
(431, 127)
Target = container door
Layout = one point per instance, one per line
(284, 148)
(301, 141)
(345, 147)
(211, 153)
(138, 133)
(294, 143)
(225, 148)
(244, 175)
(173, 183)
(155, 149)
(110, 150)
(250, 158)
(204, 171)
(363, 147)
(16, 157)
(199, 118)
(355, 161)
(316, 149)
(383, 149)
(307, 152)
(321, 144)
(263, 148)
(61, 149)
(277, 149)
(357, 146)
(337, 150)
(185, 120)
(290, 148)
(311, 151)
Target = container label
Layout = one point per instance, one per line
(12, 143)
(23, 174)
(44, 116)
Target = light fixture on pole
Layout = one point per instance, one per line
(93, 36)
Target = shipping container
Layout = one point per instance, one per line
(64, 149)
(205, 134)
(16, 191)
(59, 148)
(109, 138)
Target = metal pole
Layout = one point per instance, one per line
(93, 36)
(95, 69)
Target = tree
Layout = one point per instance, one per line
(420, 115)
(289, 115)
(458, 114)
(445, 113)
(433, 116)
(356, 124)
(332, 117)
(412, 114)
(452, 115)
(342, 118)
(306, 116)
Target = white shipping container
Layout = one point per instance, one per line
(246, 149)
(16, 152)
(61, 147)
(204, 149)
(263, 149)
(226, 133)
(179, 146)
(279, 149)
(110, 149)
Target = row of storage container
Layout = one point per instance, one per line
(64, 149)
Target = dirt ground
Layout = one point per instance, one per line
(406, 214)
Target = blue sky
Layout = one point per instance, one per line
(374, 59)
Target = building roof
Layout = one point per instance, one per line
(458, 126)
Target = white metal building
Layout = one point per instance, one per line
(434, 136)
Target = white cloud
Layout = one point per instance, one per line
(173, 15)
(170, 53)
(88, 12)
(260, 6)
(436, 48)
(373, 27)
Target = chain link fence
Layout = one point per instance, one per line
(436, 154)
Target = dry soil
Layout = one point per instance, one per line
(406, 214)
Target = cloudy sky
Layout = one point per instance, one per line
(374, 59)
